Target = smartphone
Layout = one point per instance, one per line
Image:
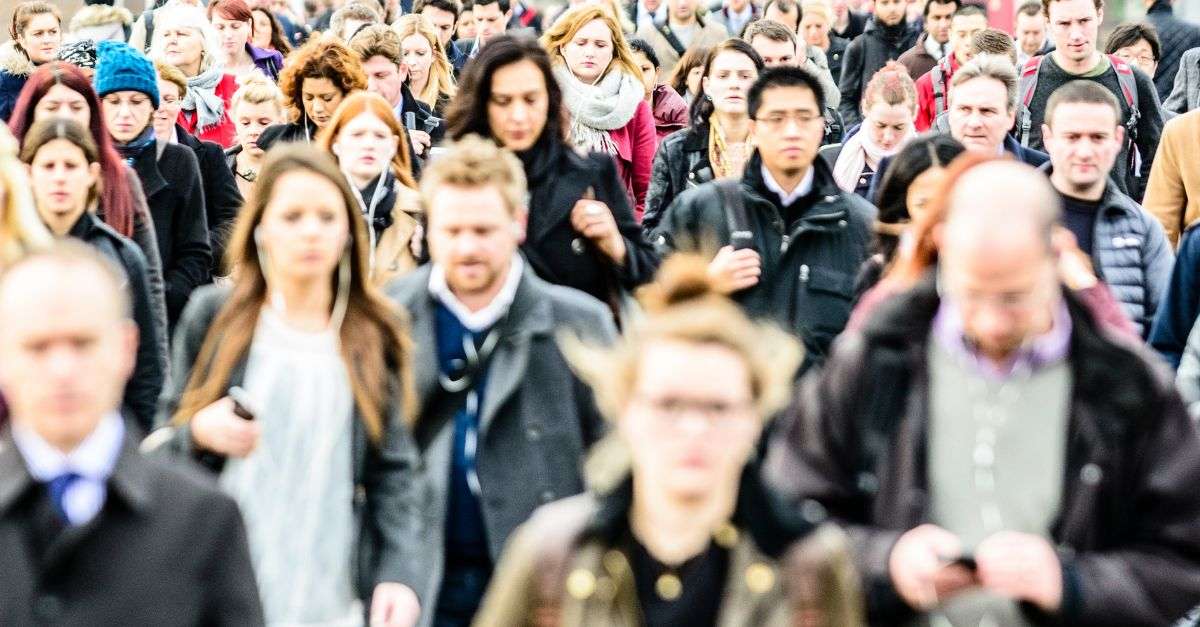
(243, 406)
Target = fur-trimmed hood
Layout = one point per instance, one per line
(100, 15)
(14, 61)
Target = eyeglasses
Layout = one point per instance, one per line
(1141, 59)
(803, 119)
(672, 411)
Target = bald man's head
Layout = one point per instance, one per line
(67, 345)
(1002, 200)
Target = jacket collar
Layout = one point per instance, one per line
(1112, 201)
(146, 166)
(696, 139)
(131, 480)
(14, 61)
(823, 182)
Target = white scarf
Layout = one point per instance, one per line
(597, 109)
(203, 99)
(854, 156)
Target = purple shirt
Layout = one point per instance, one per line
(1034, 354)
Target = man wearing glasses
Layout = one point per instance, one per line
(997, 457)
(788, 242)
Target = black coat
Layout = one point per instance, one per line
(808, 269)
(681, 163)
(855, 26)
(1128, 526)
(387, 496)
(865, 56)
(150, 369)
(837, 50)
(1176, 37)
(166, 549)
(222, 200)
(170, 176)
(558, 178)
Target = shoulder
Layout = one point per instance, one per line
(132, 257)
(13, 62)
(675, 141)
(227, 85)
(178, 153)
(185, 488)
(862, 213)
(202, 307)
(569, 305)
(405, 290)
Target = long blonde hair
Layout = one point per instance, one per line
(21, 230)
(373, 337)
(441, 73)
(563, 31)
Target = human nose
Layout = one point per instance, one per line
(518, 112)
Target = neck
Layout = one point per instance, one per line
(789, 180)
(1076, 67)
(361, 181)
(62, 224)
(418, 87)
(192, 69)
(677, 22)
(675, 529)
(841, 23)
(306, 303)
(474, 301)
(735, 126)
(64, 443)
(245, 158)
(1090, 193)
(238, 59)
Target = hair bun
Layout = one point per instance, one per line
(682, 278)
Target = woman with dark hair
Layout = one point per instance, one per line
(604, 94)
(670, 109)
(581, 232)
(304, 344)
(234, 24)
(314, 82)
(36, 31)
(268, 33)
(717, 144)
(61, 90)
(64, 172)
(685, 78)
(904, 194)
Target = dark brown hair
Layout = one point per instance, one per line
(373, 337)
(48, 130)
(1046, 6)
(1127, 35)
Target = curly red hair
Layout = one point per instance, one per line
(322, 57)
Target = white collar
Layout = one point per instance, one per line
(742, 15)
(94, 458)
(934, 49)
(484, 319)
(805, 186)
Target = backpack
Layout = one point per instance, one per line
(1028, 86)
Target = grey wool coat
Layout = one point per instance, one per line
(536, 419)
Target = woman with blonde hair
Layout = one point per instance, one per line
(602, 89)
(678, 527)
(307, 347)
(430, 75)
(184, 38)
(255, 107)
(20, 227)
(371, 148)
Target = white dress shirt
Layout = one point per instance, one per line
(477, 321)
(785, 198)
(93, 460)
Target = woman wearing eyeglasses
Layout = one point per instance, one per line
(679, 529)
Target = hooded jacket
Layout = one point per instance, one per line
(670, 111)
(15, 68)
(808, 267)
(101, 22)
(865, 56)
(1128, 528)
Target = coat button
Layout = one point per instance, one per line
(533, 434)
(842, 223)
(547, 496)
(577, 246)
(581, 584)
(1091, 474)
(360, 494)
(48, 608)
(760, 578)
(868, 482)
(813, 511)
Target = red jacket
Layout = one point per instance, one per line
(223, 132)
(926, 108)
(636, 143)
(670, 111)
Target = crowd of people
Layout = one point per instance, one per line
(490, 312)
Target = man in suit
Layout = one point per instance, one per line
(91, 532)
(503, 424)
(492, 17)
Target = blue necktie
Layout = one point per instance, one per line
(58, 492)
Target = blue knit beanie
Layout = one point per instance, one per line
(119, 67)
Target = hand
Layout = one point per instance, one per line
(216, 428)
(920, 570)
(394, 605)
(735, 270)
(1022, 567)
(421, 141)
(1074, 265)
(595, 221)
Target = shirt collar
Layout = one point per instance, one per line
(94, 458)
(934, 49)
(805, 186)
(1036, 353)
(484, 319)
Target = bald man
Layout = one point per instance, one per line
(989, 447)
(92, 533)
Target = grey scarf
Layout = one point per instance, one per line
(597, 109)
(203, 99)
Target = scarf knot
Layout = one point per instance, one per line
(202, 98)
(597, 109)
(860, 150)
(133, 149)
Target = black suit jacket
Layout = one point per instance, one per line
(167, 548)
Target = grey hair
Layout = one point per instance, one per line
(995, 67)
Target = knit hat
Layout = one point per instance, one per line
(81, 53)
(119, 67)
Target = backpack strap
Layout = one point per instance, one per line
(665, 30)
(740, 233)
(148, 20)
(1026, 87)
(1129, 92)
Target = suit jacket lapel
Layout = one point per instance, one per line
(528, 317)
(14, 476)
